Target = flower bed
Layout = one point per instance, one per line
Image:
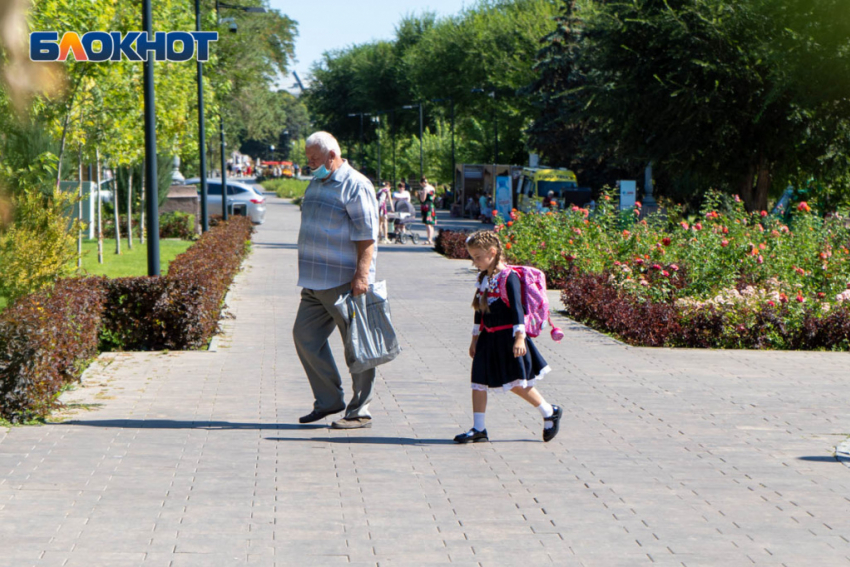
(727, 279)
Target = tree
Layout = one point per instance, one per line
(704, 89)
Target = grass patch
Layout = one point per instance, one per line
(130, 262)
(286, 188)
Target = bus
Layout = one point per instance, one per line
(535, 183)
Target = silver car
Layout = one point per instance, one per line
(238, 193)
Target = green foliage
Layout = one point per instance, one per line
(739, 96)
(487, 46)
(286, 188)
(39, 246)
(177, 225)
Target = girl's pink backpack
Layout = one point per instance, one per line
(535, 303)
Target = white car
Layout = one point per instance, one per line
(238, 193)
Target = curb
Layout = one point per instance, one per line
(213, 346)
(842, 452)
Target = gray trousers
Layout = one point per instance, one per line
(317, 317)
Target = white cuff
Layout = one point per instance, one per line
(519, 329)
(476, 330)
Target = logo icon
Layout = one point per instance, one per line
(100, 46)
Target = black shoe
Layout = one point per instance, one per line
(316, 415)
(473, 435)
(555, 418)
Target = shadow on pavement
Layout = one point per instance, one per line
(388, 440)
(820, 459)
(173, 424)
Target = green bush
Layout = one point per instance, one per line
(177, 225)
(286, 188)
(45, 340)
(39, 246)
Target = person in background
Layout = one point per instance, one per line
(385, 205)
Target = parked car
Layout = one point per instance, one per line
(238, 193)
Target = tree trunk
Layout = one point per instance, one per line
(142, 223)
(130, 208)
(62, 149)
(99, 212)
(762, 184)
(80, 212)
(746, 189)
(115, 216)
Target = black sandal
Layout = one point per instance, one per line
(555, 418)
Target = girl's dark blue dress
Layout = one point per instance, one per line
(494, 366)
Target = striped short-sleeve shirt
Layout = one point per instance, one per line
(335, 215)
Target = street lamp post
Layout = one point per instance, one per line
(377, 121)
(421, 154)
(152, 191)
(218, 5)
(202, 137)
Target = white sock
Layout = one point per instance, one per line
(546, 411)
(478, 421)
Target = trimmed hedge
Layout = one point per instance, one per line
(452, 243)
(181, 310)
(47, 338)
(592, 299)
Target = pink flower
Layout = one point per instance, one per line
(760, 259)
(772, 304)
(774, 233)
(684, 225)
(656, 266)
(737, 199)
(665, 273)
(637, 205)
(724, 243)
(725, 230)
(821, 294)
(617, 262)
(495, 213)
(513, 215)
(574, 208)
(763, 214)
(577, 231)
(761, 246)
(698, 226)
(804, 207)
(674, 267)
(639, 261)
(626, 233)
(800, 299)
(542, 245)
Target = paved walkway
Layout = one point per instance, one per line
(686, 457)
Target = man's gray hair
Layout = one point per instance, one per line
(325, 142)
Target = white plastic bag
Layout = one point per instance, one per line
(370, 339)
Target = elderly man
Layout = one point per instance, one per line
(336, 254)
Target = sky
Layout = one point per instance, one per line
(335, 24)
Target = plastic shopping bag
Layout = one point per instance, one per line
(370, 339)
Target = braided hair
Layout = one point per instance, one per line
(484, 240)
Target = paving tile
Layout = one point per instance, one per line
(670, 457)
